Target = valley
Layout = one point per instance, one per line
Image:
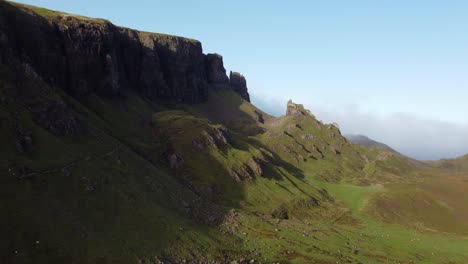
(121, 146)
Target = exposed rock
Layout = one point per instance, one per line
(239, 85)
(307, 136)
(215, 69)
(112, 74)
(84, 56)
(183, 67)
(222, 136)
(335, 151)
(175, 160)
(259, 117)
(216, 138)
(296, 109)
(244, 171)
(234, 176)
(255, 165)
(280, 213)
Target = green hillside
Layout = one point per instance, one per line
(130, 179)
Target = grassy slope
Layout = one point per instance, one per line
(51, 14)
(133, 210)
(137, 206)
(130, 204)
(312, 238)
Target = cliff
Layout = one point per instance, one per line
(121, 146)
(85, 56)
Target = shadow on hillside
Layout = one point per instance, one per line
(130, 197)
(224, 107)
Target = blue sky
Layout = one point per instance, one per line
(394, 70)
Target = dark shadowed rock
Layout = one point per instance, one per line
(215, 70)
(255, 166)
(259, 117)
(239, 84)
(175, 160)
(85, 56)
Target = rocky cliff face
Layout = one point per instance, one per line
(215, 70)
(84, 56)
(239, 84)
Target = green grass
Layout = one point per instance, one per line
(118, 199)
(51, 14)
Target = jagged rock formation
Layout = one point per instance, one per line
(215, 69)
(107, 157)
(239, 84)
(296, 109)
(84, 56)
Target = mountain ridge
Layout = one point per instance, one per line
(160, 66)
(120, 146)
(368, 142)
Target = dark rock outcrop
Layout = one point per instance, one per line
(83, 56)
(239, 84)
(215, 70)
(259, 117)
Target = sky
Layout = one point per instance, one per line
(393, 70)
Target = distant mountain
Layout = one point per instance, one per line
(459, 164)
(367, 142)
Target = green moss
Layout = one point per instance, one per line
(51, 14)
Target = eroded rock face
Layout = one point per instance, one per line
(84, 56)
(215, 70)
(259, 117)
(239, 84)
(217, 138)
